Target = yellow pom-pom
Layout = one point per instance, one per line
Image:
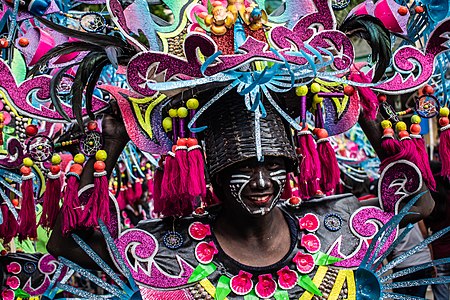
(101, 155)
(142, 168)
(167, 124)
(79, 158)
(416, 119)
(56, 159)
(315, 88)
(192, 103)
(444, 111)
(27, 162)
(148, 165)
(317, 99)
(301, 90)
(182, 112)
(386, 124)
(173, 113)
(400, 126)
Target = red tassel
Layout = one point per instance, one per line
(97, 206)
(71, 210)
(129, 194)
(50, 206)
(158, 204)
(197, 182)
(121, 199)
(27, 214)
(390, 145)
(137, 190)
(423, 162)
(287, 191)
(368, 98)
(170, 181)
(309, 176)
(329, 166)
(211, 198)
(444, 151)
(9, 227)
(182, 159)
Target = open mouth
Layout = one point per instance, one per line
(260, 200)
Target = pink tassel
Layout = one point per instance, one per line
(137, 190)
(129, 194)
(287, 191)
(390, 145)
(407, 151)
(121, 199)
(50, 206)
(444, 151)
(98, 204)
(27, 215)
(182, 159)
(9, 227)
(158, 204)
(170, 181)
(211, 198)
(71, 210)
(329, 166)
(368, 98)
(309, 176)
(423, 162)
(197, 182)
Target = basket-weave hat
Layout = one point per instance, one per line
(231, 136)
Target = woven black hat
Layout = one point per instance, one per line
(231, 138)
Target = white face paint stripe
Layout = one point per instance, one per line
(240, 176)
(261, 182)
(279, 177)
(278, 172)
(238, 181)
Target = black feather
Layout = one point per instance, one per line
(377, 36)
(54, 83)
(97, 39)
(63, 49)
(87, 66)
(92, 82)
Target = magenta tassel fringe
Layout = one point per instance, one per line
(211, 198)
(309, 166)
(9, 227)
(407, 152)
(170, 181)
(129, 194)
(444, 151)
(368, 98)
(71, 206)
(287, 191)
(121, 199)
(50, 206)
(98, 204)
(27, 215)
(181, 156)
(137, 190)
(197, 182)
(329, 167)
(157, 181)
(423, 162)
(390, 145)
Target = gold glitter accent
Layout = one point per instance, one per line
(318, 278)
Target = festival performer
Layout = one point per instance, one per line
(241, 98)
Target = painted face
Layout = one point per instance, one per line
(257, 186)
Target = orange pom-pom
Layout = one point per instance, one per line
(349, 90)
(76, 168)
(192, 142)
(419, 9)
(92, 125)
(54, 169)
(403, 10)
(182, 142)
(388, 131)
(99, 166)
(428, 89)
(15, 202)
(443, 121)
(403, 134)
(322, 133)
(25, 170)
(415, 129)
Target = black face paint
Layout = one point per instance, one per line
(257, 187)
